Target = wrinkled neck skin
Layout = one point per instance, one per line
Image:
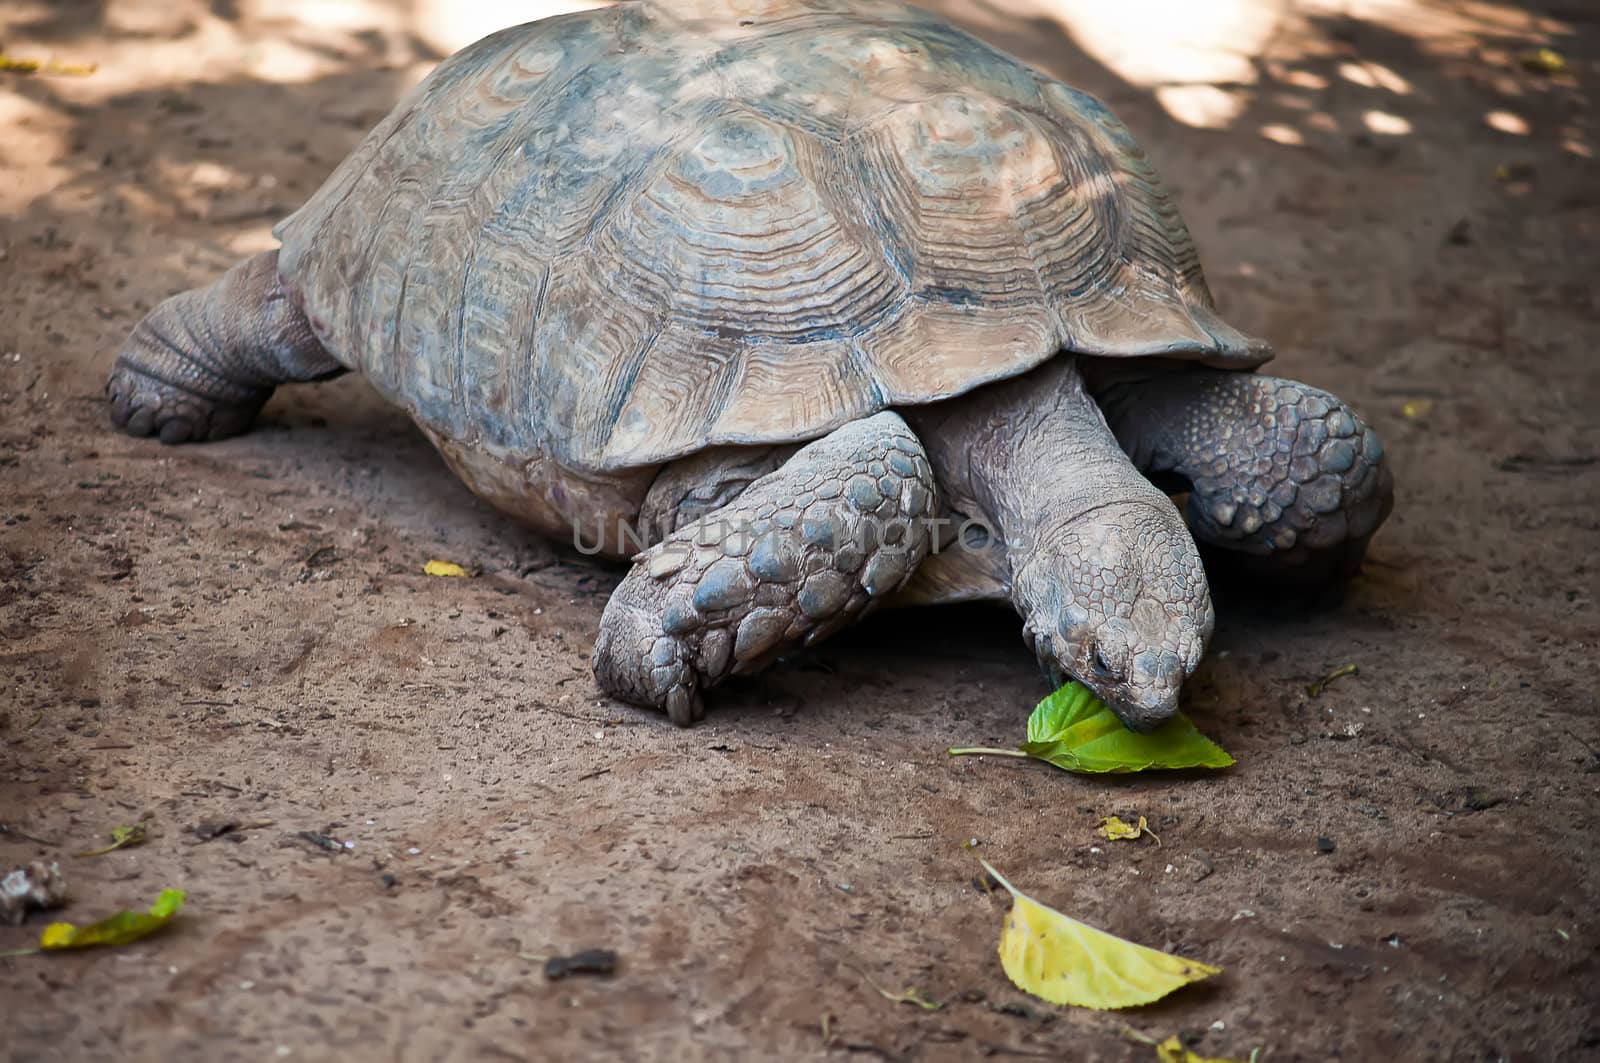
(1103, 570)
(1030, 453)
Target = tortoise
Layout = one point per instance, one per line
(806, 307)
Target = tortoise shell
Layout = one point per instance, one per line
(616, 237)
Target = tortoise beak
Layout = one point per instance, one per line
(1144, 714)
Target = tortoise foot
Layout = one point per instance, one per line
(145, 405)
(803, 552)
(202, 363)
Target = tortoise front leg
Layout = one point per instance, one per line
(1276, 470)
(801, 553)
(204, 362)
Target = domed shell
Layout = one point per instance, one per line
(615, 237)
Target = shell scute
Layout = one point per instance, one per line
(612, 238)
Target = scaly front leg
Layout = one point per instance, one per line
(1279, 471)
(801, 553)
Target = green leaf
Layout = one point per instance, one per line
(1075, 731)
(118, 929)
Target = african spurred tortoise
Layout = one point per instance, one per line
(807, 306)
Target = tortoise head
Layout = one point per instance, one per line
(1119, 601)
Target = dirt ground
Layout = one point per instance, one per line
(241, 631)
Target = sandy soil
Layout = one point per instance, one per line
(241, 631)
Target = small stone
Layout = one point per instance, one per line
(1326, 844)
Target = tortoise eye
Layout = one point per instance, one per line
(1102, 666)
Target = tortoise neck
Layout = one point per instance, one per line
(1031, 455)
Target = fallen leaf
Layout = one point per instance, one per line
(1416, 409)
(1315, 689)
(1513, 171)
(1064, 961)
(444, 568)
(10, 65)
(1172, 1051)
(1077, 732)
(1074, 730)
(1543, 61)
(121, 838)
(915, 996)
(119, 929)
(1115, 830)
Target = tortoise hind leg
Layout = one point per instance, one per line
(202, 363)
(798, 555)
(1283, 477)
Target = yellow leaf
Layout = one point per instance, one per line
(1172, 1051)
(118, 929)
(1065, 962)
(121, 838)
(1114, 829)
(1544, 61)
(49, 66)
(444, 568)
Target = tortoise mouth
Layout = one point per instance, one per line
(1141, 712)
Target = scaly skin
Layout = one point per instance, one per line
(1103, 571)
(799, 554)
(1281, 472)
(1092, 555)
(203, 363)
